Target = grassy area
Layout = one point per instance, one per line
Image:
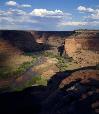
(61, 64)
(35, 81)
(22, 68)
(62, 60)
(6, 72)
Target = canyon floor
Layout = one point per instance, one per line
(45, 65)
(61, 88)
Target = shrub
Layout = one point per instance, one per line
(8, 72)
(97, 66)
(61, 63)
(48, 54)
(36, 80)
(62, 60)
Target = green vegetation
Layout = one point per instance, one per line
(6, 72)
(41, 81)
(33, 55)
(62, 60)
(49, 54)
(97, 66)
(36, 80)
(61, 63)
(23, 67)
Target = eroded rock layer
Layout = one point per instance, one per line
(83, 47)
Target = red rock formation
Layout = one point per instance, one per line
(83, 41)
(83, 47)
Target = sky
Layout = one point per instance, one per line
(49, 15)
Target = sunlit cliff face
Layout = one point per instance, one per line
(40, 40)
(74, 45)
(84, 48)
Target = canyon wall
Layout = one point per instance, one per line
(31, 41)
(76, 44)
(83, 47)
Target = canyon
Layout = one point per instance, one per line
(80, 45)
(37, 77)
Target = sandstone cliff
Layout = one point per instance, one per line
(31, 41)
(83, 47)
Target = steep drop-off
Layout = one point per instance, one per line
(31, 41)
(83, 47)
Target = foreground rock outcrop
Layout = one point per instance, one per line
(79, 95)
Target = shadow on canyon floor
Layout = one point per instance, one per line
(51, 99)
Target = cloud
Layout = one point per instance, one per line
(37, 15)
(16, 16)
(49, 13)
(81, 8)
(17, 12)
(94, 13)
(2, 12)
(79, 23)
(41, 18)
(84, 9)
(25, 5)
(38, 18)
(12, 12)
(73, 23)
(11, 3)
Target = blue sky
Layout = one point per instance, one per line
(58, 15)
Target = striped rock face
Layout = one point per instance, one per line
(83, 47)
